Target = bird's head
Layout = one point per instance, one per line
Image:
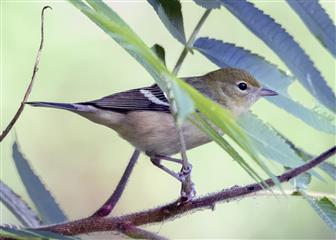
(235, 88)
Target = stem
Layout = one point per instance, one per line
(178, 208)
(30, 86)
(190, 42)
(187, 190)
(109, 205)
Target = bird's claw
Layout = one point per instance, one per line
(188, 191)
(185, 172)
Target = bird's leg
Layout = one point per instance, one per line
(188, 188)
(181, 176)
(185, 172)
(171, 159)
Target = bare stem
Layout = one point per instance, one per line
(178, 208)
(187, 190)
(109, 205)
(30, 86)
(190, 42)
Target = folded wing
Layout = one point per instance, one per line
(141, 99)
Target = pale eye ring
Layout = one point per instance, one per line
(242, 86)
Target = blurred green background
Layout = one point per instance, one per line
(81, 162)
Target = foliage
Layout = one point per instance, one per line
(43, 200)
(171, 16)
(30, 234)
(118, 30)
(257, 138)
(317, 21)
(280, 41)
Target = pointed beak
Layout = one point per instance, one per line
(267, 92)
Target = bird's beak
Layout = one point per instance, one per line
(267, 92)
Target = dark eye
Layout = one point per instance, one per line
(242, 86)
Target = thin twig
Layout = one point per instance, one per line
(187, 190)
(109, 205)
(190, 42)
(30, 86)
(178, 208)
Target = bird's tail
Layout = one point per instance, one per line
(66, 106)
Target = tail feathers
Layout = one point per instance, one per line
(66, 106)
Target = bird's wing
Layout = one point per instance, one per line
(147, 99)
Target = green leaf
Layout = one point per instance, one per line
(17, 233)
(175, 88)
(302, 181)
(206, 127)
(329, 168)
(31, 234)
(18, 207)
(171, 16)
(317, 21)
(308, 116)
(159, 52)
(113, 25)
(268, 142)
(41, 197)
(229, 55)
(223, 119)
(209, 4)
(324, 208)
(280, 41)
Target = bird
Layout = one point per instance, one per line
(142, 116)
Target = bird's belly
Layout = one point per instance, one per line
(155, 133)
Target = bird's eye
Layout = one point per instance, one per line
(242, 86)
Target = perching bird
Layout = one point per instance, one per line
(142, 116)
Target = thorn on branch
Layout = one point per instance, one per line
(213, 206)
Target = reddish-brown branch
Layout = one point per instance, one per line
(109, 205)
(177, 209)
(30, 86)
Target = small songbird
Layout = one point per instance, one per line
(142, 116)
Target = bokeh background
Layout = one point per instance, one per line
(81, 162)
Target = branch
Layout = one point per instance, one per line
(187, 190)
(177, 208)
(30, 86)
(191, 41)
(109, 205)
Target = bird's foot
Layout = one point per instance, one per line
(185, 173)
(184, 176)
(188, 191)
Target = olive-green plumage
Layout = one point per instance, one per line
(141, 116)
